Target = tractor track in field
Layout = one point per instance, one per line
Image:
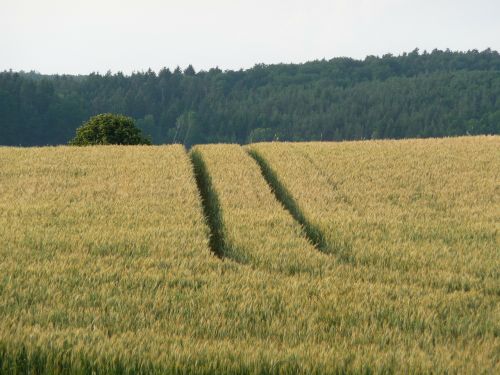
(313, 234)
(210, 203)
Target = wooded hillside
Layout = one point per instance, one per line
(441, 93)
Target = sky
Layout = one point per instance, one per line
(80, 37)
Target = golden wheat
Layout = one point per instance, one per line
(106, 266)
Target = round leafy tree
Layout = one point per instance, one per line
(109, 129)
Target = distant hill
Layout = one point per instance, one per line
(441, 93)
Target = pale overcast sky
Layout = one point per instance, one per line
(79, 37)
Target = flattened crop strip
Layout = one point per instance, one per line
(210, 202)
(312, 232)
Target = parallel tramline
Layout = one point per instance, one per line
(256, 228)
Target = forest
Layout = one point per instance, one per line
(413, 95)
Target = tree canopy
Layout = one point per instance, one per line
(109, 129)
(441, 93)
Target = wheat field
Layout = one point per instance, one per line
(355, 257)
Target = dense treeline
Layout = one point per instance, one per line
(413, 95)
